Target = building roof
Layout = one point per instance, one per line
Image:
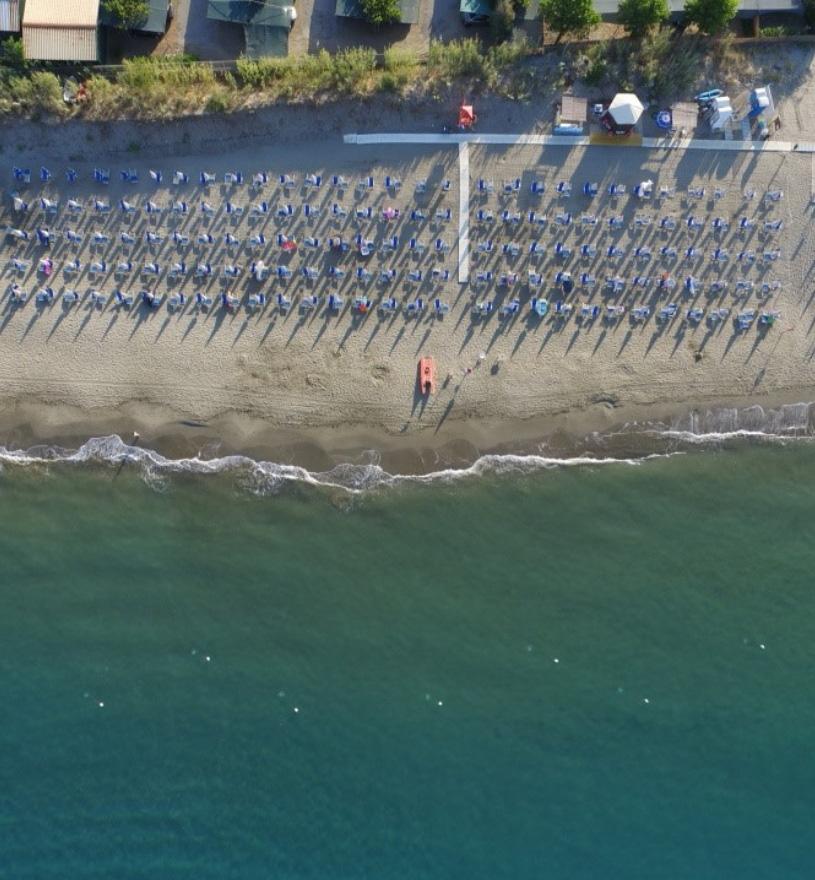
(609, 8)
(255, 12)
(62, 31)
(353, 9)
(9, 15)
(61, 14)
(155, 21)
(264, 42)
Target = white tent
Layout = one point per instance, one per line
(625, 109)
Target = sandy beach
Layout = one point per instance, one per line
(298, 382)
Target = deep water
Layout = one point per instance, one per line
(575, 673)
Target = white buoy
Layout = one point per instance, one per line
(101, 705)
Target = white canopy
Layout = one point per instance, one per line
(625, 109)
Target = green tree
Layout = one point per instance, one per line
(128, 13)
(710, 16)
(576, 17)
(502, 20)
(638, 17)
(381, 11)
(12, 53)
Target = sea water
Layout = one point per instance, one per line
(570, 672)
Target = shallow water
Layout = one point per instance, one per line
(578, 672)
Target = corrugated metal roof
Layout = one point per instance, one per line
(60, 43)
(9, 15)
(61, 13)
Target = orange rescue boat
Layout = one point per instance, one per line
(427, 376)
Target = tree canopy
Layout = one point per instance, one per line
(711, 16)
(640, 16)
(128, 13)
(576, 17)
(381, 11)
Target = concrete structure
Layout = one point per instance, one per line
(67, 30)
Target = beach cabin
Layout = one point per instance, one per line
(266, 25)
(61, 31)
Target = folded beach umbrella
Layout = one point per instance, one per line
(625, 109)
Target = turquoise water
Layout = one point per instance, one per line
(439, 681)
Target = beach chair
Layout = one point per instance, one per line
(668, 223)
(391, 244)
(387, 276)
(690, 285)
(417, 215)
(258, 270)
(312, 181)
(129, 176)
(388, 306)
(614, 253)
(256, 242)
(230, 302)
(563, 309)
(445, 185)
(362, 274)
(123, 268)
(284, 303)
(666, 282)
(365, 246)
(98, 267)
(536, 218)
(508, 279)
(127, 208)
(512, 186)
(100, 206)
(72, 267)
(537, 188)
(150, 268)
(443, 215)
(203, 301)
(691, 254)
(590, 312)
(773, 195)
(420, 187)
(98, 299)
(536, 250)
(415, 307)
(642, 220)
(617, 221)
(365, 183)
(511, 249)
(563, 188)
(667, 192)
(440, 308)
(616, 189)
(203, 270)
(745, 319)
(720, 224)
(695, 315)
(336, 272)
(231, 271)
(363, 213)
(179, 177)
(21, 175)
(176, 302)
(768, 287)
(19, 205)
(205, 238)
(122, 299)
(44, 236)
(510, 216)
(179, 208)
(695, 223)
(441, 246)
(335, 302)
(153, 238)
(719, 255)
(746, 257)
(767, 319)
(615, 284)
(255, 301)
(361, 304)
(392, 183)
(45, 174)
(73, 236)
(539, 307)
(261, 209)
(588, 219)
(564, 218)
(640, 313)
(642, 254)
(18, 295)
(644, 190)
(587, 280)
(233, 178)
(668, 252)
(696, 192)
(716, 316)
(338, 212)
(259, 179)
(483, 278)
(18, 234)
(155, 176)
(718, 287)
(591, 189)
(771, 226)
(207, 209)
(308, 303)
(588, 251)
(310, 212)
(484, 216)
(44, 296)
(49, 206)
(339, 182)
(614, 312)
(746, 224)
(440, 276)
(287, 181)
(510, 308)
(415, 276)
(152, 208)
(206, 178)
(743, 287)
(177, 270)
(283, 273)
(20, 266)
(69, 297)
(483, 308)
(101, 175)
(231, 241)
(562, 251)
(485, 187)
(533, 279)
(74, 207)
(666, 313)
(641, 281)
(311, 273)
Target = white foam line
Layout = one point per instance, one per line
(552, 140)
(463, 212)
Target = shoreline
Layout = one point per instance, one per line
(601, 430)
